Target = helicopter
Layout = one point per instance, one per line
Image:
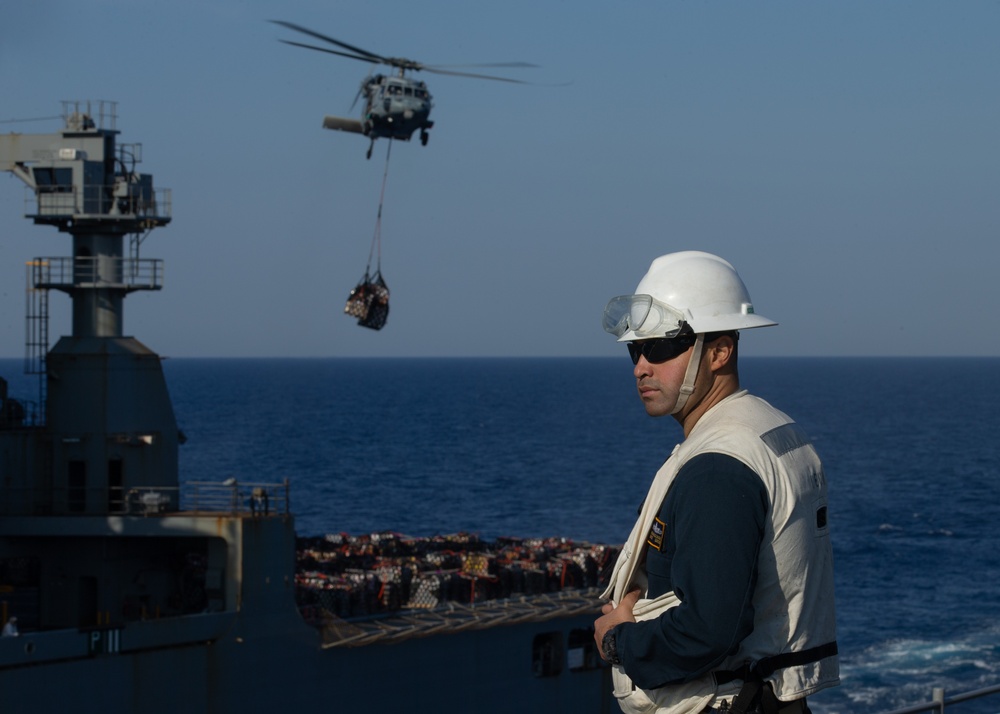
(395, 106)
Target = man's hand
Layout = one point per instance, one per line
(613, 616)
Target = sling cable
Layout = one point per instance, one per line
(369, 300)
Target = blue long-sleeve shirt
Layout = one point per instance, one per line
(713, 520)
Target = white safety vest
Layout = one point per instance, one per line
(793, 604)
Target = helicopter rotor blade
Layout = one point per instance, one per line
(371, 56)
(327, 50)
(438, 70)
(486, 64)
(400, 63)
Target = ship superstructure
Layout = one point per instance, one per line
(133, 594)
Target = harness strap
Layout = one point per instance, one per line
(769, 665)
(753, 676)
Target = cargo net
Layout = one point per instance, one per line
(369, 301)
(357, 577)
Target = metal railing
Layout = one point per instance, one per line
(79, 114)
(87, 501)
(146, 500)
(939, 702)
(97, 272)
(19, 414)
(233, 496)
(230, 497)
(127, 201)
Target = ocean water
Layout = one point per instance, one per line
(552, 447)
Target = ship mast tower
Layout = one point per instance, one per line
(109, 433)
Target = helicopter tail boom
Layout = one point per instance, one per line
(341, 124)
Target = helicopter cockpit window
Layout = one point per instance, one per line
(408, 91)
(395, 89)
(420, 93)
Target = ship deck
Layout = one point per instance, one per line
(457, 617)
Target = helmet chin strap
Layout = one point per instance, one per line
(690, 374)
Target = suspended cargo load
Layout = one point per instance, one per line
(369, 301)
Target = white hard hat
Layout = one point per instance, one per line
(686, 289)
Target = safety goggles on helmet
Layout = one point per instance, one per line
(661, 349)
(644, 315)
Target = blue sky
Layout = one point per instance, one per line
(844, 156)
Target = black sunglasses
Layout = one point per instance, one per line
(660, 350)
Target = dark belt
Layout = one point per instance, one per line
(798, 706)
(756, 695)
(769, 665)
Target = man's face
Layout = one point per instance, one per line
(659, 384)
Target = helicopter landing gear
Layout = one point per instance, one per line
(370, 147)
(424, 136)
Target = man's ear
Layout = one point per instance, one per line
(721, 353)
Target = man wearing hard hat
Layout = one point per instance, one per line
(722, 597)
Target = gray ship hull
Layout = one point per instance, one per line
(252, 651)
